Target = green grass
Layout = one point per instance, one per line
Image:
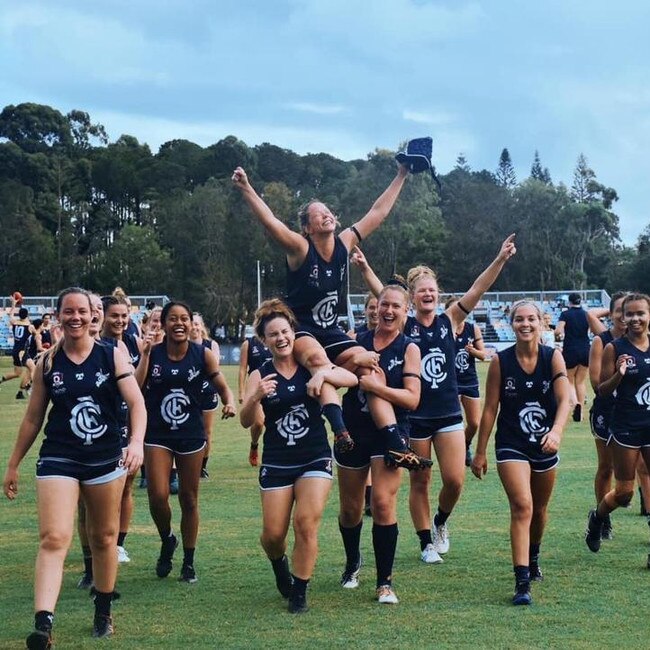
(587, 600)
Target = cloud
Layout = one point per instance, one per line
(318, 109)
(432, 119)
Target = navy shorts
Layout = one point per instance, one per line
(538, 462)
(75, 471)
(633, 439)
(428, 427)
(599, 422)
(333, 339)
(576, 357)
(469, 391)
(278, 478)
(368, 444)
(181, 446)
(18, 358)
(209, 399)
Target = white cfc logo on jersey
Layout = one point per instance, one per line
(173, 408)
(643, 395)
(294, 424)
(433, 367)
(324, 312)
(85, 420)
(462, 361)
(531, 421)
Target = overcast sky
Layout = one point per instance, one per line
(348, 76)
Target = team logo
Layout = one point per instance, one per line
(394, 362)
(173, 408)
(174, 371)
(511, 387)
(529, 384)
(328, 273)
(101, 377)
(293, 425)
(57, 379)
(643, 395)
(433, 367)
(462, 361)
(600, 420)
(156, 371)
(324, 312)
(79, 376)
(85, 420)
(313, 276)
(444, 331)
(545, 386)
(415, 331)
(630, 362)
(532, 421)
(192, 374)
(291, 388)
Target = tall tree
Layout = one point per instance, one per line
(505, 174)
(539, 173)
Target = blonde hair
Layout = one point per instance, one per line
(417, 273)
(270, 309)
(204, 330)
(525, 303)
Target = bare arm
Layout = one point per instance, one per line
(241, 376)
(256, 389)
(407, 397)
(559, 330)
(477, 348)
(482, 283)
(378, 212)
(593, 317)
(595, 362)
(370, 278)
(488, 417)
(612, 371)
(294, 245)
(334, 376)
(29, 428)
(219, 382)
(550, 442)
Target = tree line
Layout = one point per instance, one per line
(78, 208)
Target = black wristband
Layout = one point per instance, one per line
(462, 307)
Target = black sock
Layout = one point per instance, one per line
(142, 471)
(533, 553)
(425, 538)
(280, 565)
(522, 574)
(188, 556)
(103, 603)
(299, 587)
(166, 534)
(368, 495)
(44, 621)
(204, 464)
(441, 518)
(334, 415)
(391, 438)
(120, 538)
(384, 543)
(88, 560)
(173, 475)
(351, 537)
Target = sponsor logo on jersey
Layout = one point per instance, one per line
(156, 371)
(433, 367)
(394, 362)
(529, 384)
(532, 421)
(294, 425)
(174, 371)
(545, 386)
(57, 379)
(444, 331)
(192, 374)
(324, 311)
(101, 377)
(173, 408)
(462, 361)
(291, 388)
(79, 376)
(85, 420)
(510, 385)
(643, 395)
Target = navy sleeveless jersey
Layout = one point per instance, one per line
(258, 353)
(294, 431)
(527, 403)
(31, 350)
(391, 361)
(132, 346)
(604, 405)
(360, 329)
(21, 334)
(208, 388)
(46, 337)
(631, 410)
(439, 396)
(83, 424)
(173, 393)
(576, 328)
(313, 289)
(465, 363)
(131, 329)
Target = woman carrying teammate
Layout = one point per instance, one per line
(573, 329)
(395, 365)
(527, 387)
(253, 353)
(317, 262)
(625, 375)
(171, 374)
(469, 348)
(296, 471)
(82, 454)
(210, 400)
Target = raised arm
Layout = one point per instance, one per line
(294, 245)
(459, 310)
(594, 319)
(488, 417)
(370, 278)
(378, 212)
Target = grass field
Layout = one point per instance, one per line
(586, 600)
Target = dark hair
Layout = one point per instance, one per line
(615, 298)
(450, 301)
(109, 301)
(397, 280)
(631, 297)
(174, 303)
(23, 313)
(270, 309)
(37, 322)
(575, 298)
